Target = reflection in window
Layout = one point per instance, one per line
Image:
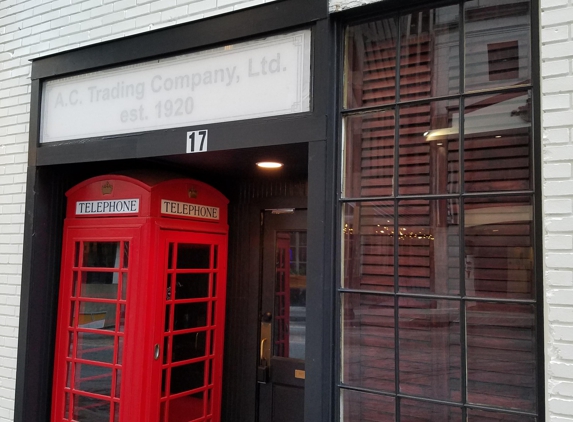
(437, 216)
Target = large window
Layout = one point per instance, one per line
(438, 294)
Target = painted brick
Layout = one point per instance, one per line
(558, 188)
(558, 153)
(557, 171)
(556, 33)
(559, 278)
(556, 102)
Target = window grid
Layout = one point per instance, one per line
(463, 198)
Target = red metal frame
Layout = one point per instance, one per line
(120, 350)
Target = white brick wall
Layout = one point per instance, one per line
(557, 90)
(32, 28)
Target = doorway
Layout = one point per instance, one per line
(281, 368)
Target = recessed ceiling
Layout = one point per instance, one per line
(242, 162)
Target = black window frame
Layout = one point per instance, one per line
(386, 9)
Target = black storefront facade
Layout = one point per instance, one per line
(399, 178)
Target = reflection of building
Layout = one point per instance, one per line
(439, 246)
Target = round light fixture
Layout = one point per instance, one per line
(269, 164)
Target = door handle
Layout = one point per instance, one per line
(262, 353)
(156, 352)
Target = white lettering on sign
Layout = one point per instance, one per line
(266, 77)
(116, 206)
(189, 210)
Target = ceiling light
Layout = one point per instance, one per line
(269, 164)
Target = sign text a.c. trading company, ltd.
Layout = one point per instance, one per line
(260, 78)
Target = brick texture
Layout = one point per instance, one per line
(33, 28)
(557, 88)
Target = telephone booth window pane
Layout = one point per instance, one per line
(125, 254)
(72, 314)
(76, 254)
(167, 317)
(99, 285)
(69, 374)
(193, 256)
(67, 405)
(187, 408)
(96, 315)
(170, 256)
(188, 346)
(116, 412)
(91, 409)
(192, 286)
(96, 347)
(214, 289)
(124, 286)
(75, 284)
(93, 379)
(187, 377)
(190, 315)
(119, 358)
(215, 255)
(117, 383)
(121, 318)
(101, 254)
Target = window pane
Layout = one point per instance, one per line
(497, 142)
(428, 241)
(495, 57)
(101, 254)
(483, 416)
(429, 59)
(418, 411)
(188, 346)
(501, 355)
(368, 341)
(191, 286)
(370, 67)
(429, 148)
(369, 154)
(356, 406)
(499, 247)
(93, 379)
(368, 246)
(96, 347)
(187, 377)
(190, 315)
(90, 409)
(193, 256)
(101, 285)
(430, 348)
(97, 315)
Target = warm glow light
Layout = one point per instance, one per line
(269, 164)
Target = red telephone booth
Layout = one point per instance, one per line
(142, 302)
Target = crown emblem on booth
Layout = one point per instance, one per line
(107, 188)
(192, 192)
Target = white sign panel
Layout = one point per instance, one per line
(112, 206)
(267, 77)
(189, 210)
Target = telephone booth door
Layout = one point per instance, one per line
(142, 303)
(193, 302)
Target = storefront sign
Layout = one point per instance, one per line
(189, 210)
(267, 77)
(116, 206)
